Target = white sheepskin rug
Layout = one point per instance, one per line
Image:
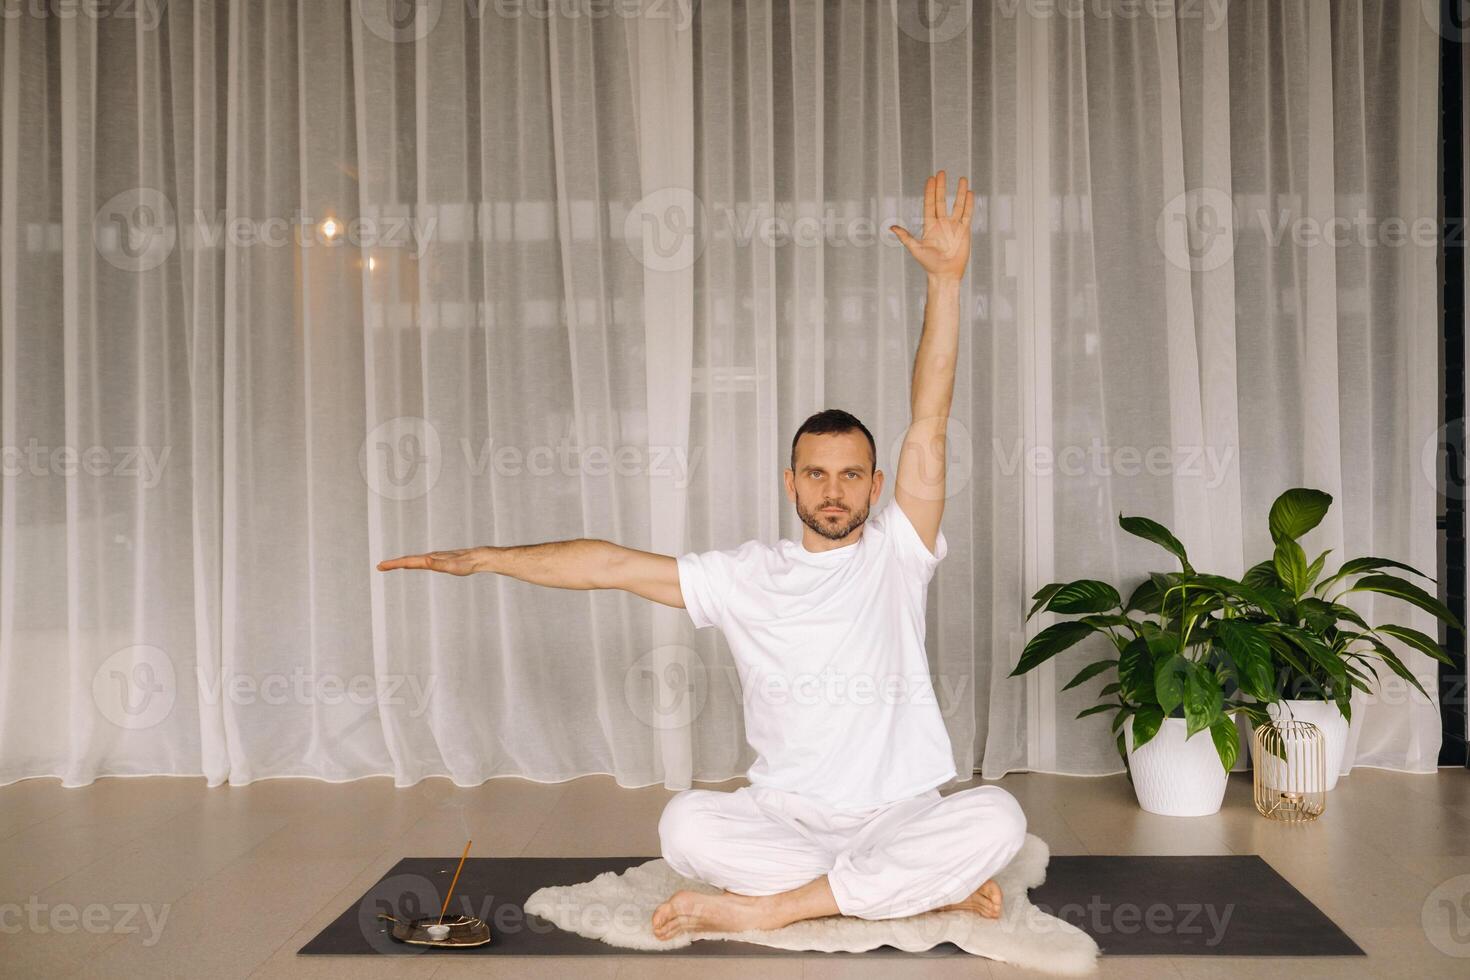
(617, 908)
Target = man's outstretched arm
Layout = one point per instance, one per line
(944, 252)
(582, 563)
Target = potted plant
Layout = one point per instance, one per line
(1185, 662)
(1318, 644)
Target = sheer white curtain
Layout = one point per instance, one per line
(289, 288)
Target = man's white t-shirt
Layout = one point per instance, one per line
(829, 649)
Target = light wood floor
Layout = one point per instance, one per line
(248, 875)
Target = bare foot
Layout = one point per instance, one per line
(986, 900)
(691, 911)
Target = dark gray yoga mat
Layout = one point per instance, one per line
(1222, 905)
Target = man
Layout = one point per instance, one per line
(843, 813)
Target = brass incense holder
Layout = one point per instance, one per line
(464, 930)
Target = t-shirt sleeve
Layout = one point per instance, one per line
(706, 579)
(909, 549)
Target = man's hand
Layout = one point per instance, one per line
(465, 561)
(944, 251)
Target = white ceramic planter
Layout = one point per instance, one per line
(1324, 715)
(1175, 776)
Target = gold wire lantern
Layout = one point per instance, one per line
(1290, 770)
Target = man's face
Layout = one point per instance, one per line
(834, 483)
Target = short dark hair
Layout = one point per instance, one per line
(832, 421)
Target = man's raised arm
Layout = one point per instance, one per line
(944, 252)
(582, 563)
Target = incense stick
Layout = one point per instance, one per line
(454, 882)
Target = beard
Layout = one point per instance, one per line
(833, 527)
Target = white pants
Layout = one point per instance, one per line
(889, 861)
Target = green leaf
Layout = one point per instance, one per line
(1043, 596)
(1112, 688)
(1355, 672)
(1096, 709)
(1419, 641)
(1252, 657)
(1289, 654)
(1315, 569)
(1146, 597)
(1158, 534)
(1262, 576)
(1261, 598)
(1121, 717)
(1324, 656)
(1291, 566)
(1084, 596)
(1089, 672)
(1136, 671)
(1169, 677)
(1203, 700)
(1409, 592)
(1397, 665)
(1227, 740)
(1171, 592)
(1104, 620)
(1296, 512)
(1319, 615)
(1354, 566)
(1146, 723)
(1348, 613)
(1048, 643)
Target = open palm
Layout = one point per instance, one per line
(944, 251)
(462, 561)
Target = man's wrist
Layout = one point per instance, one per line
(944, 283)
(485, 558)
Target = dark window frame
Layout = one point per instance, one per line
(1454, 55)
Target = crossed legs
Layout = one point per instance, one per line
(779, 859)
